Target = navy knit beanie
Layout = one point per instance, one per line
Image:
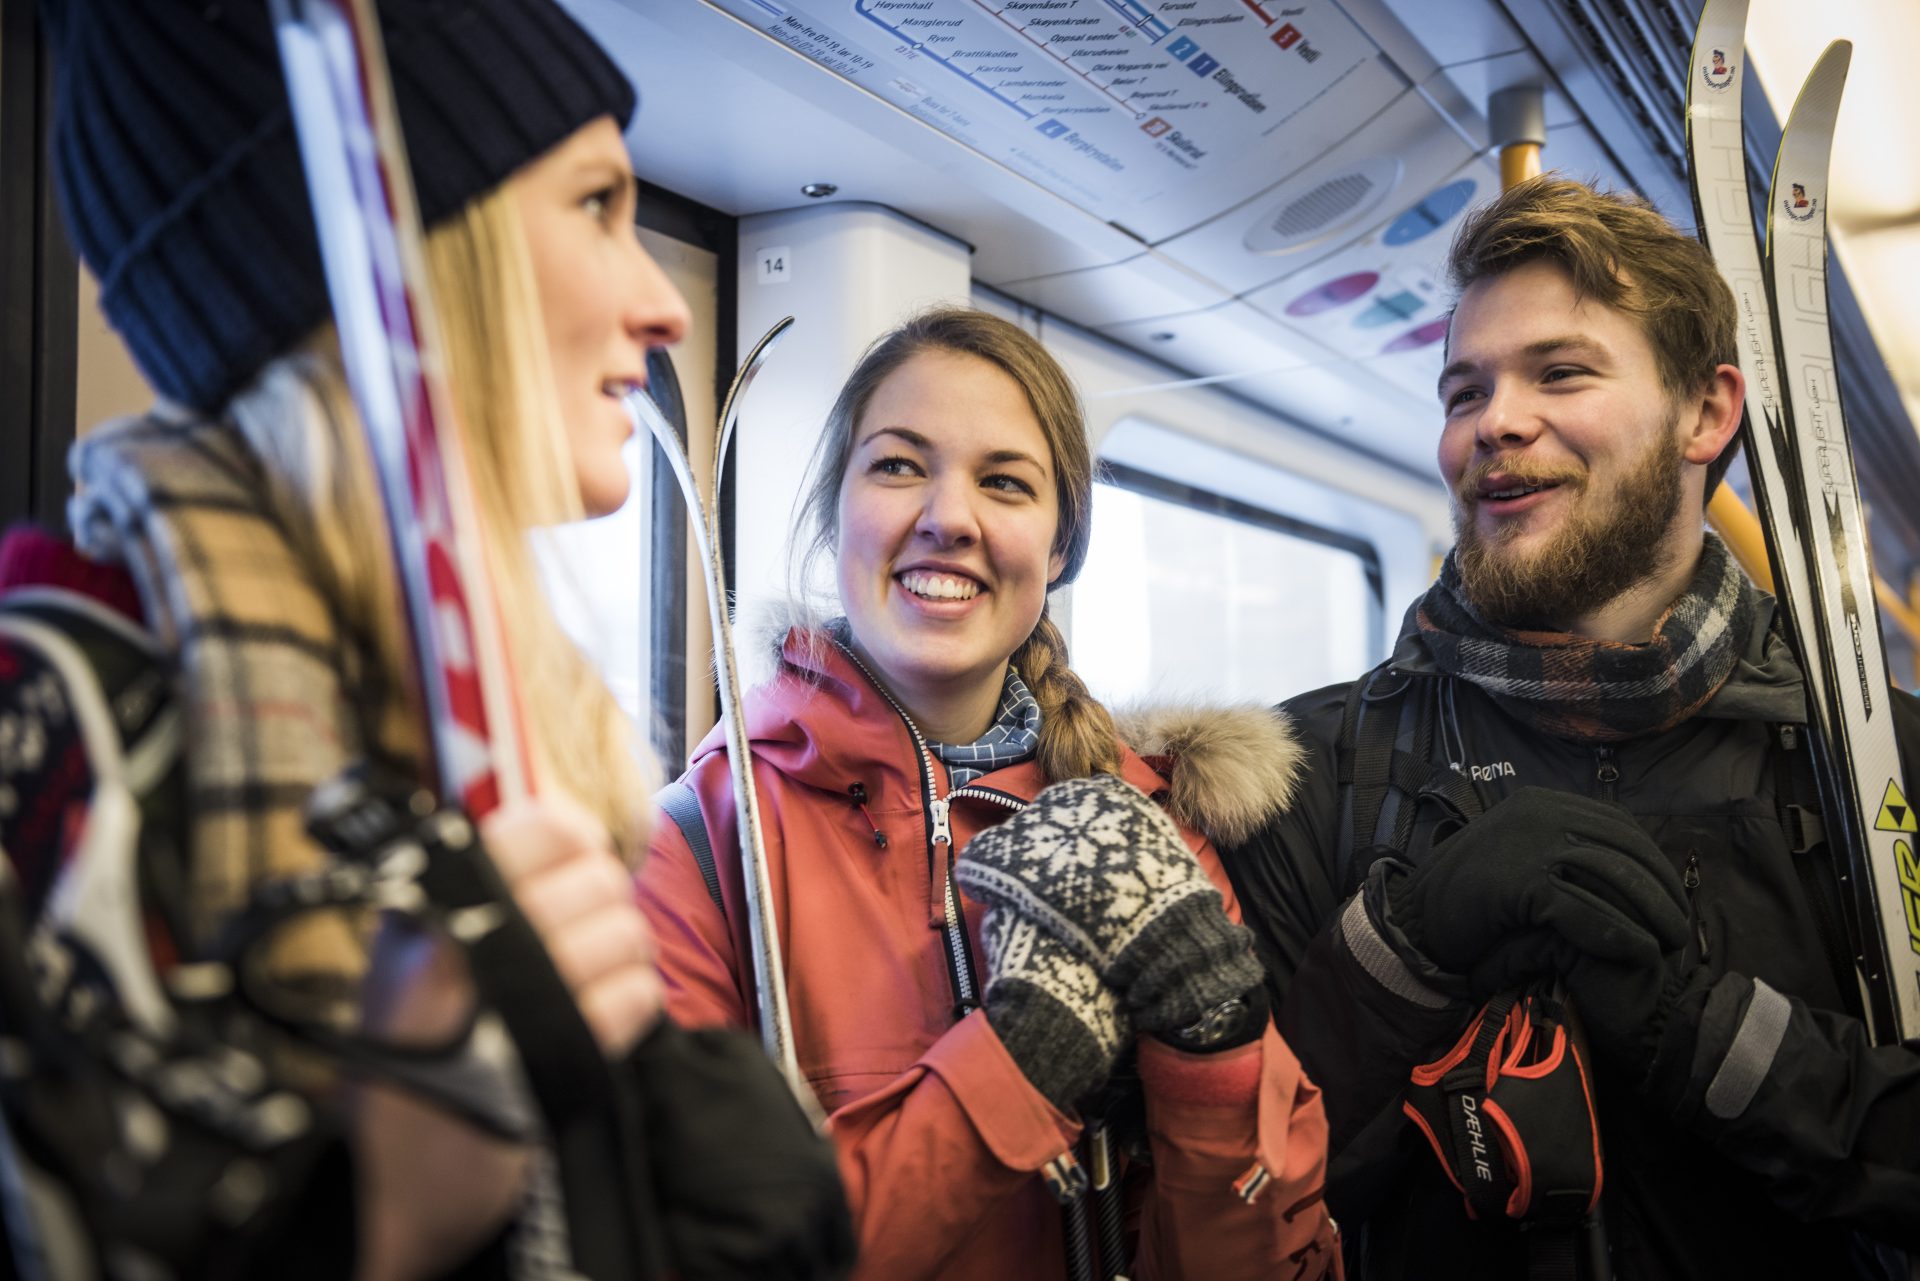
(180, 177)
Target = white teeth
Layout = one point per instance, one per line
(939, 586)
(1516, 493)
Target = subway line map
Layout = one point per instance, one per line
(1118, 105)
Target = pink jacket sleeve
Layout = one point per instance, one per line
(962, 1120)
(1239, 1142)
(1239, 1166)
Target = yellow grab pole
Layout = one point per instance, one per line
(1519, 161)
(1740, 529)
(1517, 124)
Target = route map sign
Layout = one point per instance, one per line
(1155, 114)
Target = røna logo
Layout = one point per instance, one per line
(1485, 773)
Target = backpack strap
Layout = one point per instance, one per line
(1386, 766)
(682, 804)
(1376, 719)
(1796, 795)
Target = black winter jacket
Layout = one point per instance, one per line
(1799, 1177)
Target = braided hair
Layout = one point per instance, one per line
(1077, 736)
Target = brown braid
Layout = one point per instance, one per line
(1077, 738)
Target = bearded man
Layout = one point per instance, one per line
(1580, 783)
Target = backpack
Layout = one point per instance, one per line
(140, 1134)
(1507, 1110)
(145, 1129)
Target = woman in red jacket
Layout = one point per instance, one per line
(981, 911)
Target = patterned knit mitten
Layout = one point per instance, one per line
(1062, 1025)
(1097, 865)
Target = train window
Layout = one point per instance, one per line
(1187, 593)
(599, 577)
(623, 585)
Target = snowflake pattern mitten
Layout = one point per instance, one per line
(1097, 865)
(1062, 1025)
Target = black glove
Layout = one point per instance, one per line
(745, 1187)
(1623, 1005)
(1540, 863)
(1096, 864)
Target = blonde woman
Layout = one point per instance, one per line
(239, 521)
(983, 912)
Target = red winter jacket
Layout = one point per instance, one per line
(940, 1136)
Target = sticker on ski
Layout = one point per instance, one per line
(1895, 814)
(1909, 891)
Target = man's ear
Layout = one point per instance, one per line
(1712, 415)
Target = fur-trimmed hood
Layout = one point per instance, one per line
(1230, 769)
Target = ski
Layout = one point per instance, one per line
(1717, 173)
(1885, 881)
(1723, 210)
(769, 971)
(373, 249)
(368, 227)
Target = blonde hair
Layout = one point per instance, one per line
(300, 418)
(1077, 736)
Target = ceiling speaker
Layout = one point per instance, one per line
(1313, 206)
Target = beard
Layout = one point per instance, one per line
(1599, 552)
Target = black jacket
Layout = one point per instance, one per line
(1821, 1156)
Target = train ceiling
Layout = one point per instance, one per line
(1247, 190)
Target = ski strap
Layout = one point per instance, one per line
(1796, 794)
(1509, 1113)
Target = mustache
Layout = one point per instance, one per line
(1467, 490)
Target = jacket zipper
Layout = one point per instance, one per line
(1691, 880)
(1606, 772)
(972, 793)
(940, 832)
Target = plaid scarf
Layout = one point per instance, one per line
(270, 685)
(1593, 690)
(1013, 737)
(279, 698)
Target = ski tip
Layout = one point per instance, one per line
(1839, 53)
(1722, 25)
(1816, 109)
(1724, 22)
(1718, 53)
